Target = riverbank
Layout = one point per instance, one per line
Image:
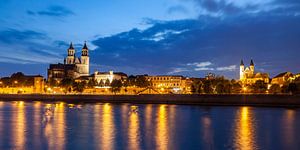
(228, 99)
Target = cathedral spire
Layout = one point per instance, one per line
(84, 46)
(251, 63)
(71, 46)
(242, 62)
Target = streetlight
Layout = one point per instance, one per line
(244, 89)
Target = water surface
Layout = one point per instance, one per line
(38, 125)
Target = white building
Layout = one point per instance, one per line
(109, 76)
(83, 63)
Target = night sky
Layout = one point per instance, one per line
(187, 37)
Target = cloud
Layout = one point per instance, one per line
(177, 9)
(201, 66)
(227, 68)
(13, 35)
(53, 11)
(28, 47)
(222, 41)
(177, 70)
(228, 8)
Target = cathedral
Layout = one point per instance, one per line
(73, 67)
(249, 76)
(83, 63)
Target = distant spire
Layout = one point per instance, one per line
(242, 63)
(251, 63)
(71, 46)
(84, 46)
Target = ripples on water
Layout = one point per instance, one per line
(38, 125)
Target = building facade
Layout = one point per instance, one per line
(249, 76)
(108, 76)
(170, 84)
(282, 78)
(19, 83)
(73, 67)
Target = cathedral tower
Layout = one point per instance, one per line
(85, 59)
(242, 69)
(71, 55)
(252, 66)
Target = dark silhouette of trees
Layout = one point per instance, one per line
(259, 87)
(67, 84)
(116, 86)
(274, 89)
(79, 86)
(91, 83)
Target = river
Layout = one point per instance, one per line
(39, 125)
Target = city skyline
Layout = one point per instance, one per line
(190, 38)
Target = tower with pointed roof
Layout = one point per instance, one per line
(252, 66)
(85, 59)
(71, 55)
(242, 68)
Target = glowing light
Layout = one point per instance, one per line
(133, 131)
(245, 136)
(107, 127)
(162, 137)
(19, 126)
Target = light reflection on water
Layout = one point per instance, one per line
(54, 129)
(107, 128)
(245, 129)
(19, 124)
(162, 137)
(38, 125)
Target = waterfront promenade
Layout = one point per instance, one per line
(185, 99)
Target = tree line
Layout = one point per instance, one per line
(70, 85)
(220, 85)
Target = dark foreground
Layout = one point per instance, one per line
(230, 99)
(57, 125)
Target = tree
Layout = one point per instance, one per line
(292, 88)
(142, 82)
(116, 86)
(275, 88)
(259, 87)
(220, 88)
(107, 82)
(197, 87)
(67, 84)
(207, 87)
(91, 83)
(101, 83)
(236, 87)
(79, 86)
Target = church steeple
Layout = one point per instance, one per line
(85, 59)
(71, 46)
(252, 67)
(85, 50)
(71, 54)
(242, 63)
(251, 63)
(84, 46)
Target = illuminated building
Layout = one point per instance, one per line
(73, 66)
(108, 76)
(282, 78)
(248, 75)
(20, 83)
(167, 84)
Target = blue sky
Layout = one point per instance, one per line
(188, 37)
